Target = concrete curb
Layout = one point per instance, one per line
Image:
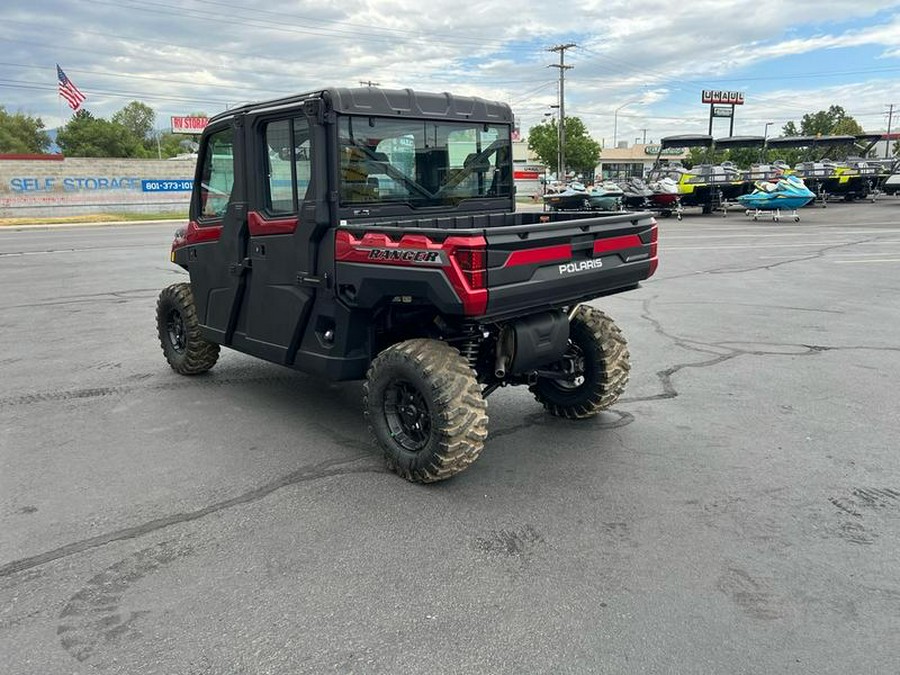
(112, 223)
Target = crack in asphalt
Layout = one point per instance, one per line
(752, 304)
(336, 467)
(666, 375)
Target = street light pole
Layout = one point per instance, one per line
(616, 121)
(561, 140)
(762, 152)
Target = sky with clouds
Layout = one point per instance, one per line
(639, 65)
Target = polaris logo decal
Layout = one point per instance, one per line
(415, 256)
(581, 266)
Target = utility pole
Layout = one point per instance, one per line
(887, 146)
(645, 136)
(369, 83)
(561, 137)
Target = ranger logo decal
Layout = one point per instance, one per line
(410, 255)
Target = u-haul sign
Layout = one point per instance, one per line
(713, 96)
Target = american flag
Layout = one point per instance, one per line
(68, 90)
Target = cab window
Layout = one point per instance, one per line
(288, 162)
(217, 179)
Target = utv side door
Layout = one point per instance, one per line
(219, 208)
(277, 302)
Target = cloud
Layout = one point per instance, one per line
(208, 54)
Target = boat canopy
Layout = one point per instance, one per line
(740, 142)
(686, 141)
(869, 138)
(809, 141)
(867, 142)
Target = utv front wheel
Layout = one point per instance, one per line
(600, 354)
(425, 409)
(179, 332)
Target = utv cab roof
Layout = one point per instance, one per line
(375, 101)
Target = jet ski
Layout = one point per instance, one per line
(665, 197)
(891, 184)
(574, 198)
(606, 197)
(787, 193)
(636, 193)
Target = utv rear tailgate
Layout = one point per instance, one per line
(553, 263)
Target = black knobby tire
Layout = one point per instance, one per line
(424, 406)
(600, 345)
(179, 332)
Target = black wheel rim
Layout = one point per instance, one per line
(175, 330)
(407, 415)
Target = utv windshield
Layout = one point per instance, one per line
(422, 163)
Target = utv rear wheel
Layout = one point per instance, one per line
(425, 409)
(179, 332)
(602, 363)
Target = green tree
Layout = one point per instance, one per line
(829, 122)
(790, 129)
(171, 145)
(89, 136)
(582, 151)
(20, 133)
(743, 157)
(138, 118)
(701, 155)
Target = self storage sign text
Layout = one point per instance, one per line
(73, 184)
(99, 183)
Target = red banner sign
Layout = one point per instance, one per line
(189, 125)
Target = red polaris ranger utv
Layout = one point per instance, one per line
(372, 233)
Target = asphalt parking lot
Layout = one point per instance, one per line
(737, 512)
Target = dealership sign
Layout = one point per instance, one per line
(189, 125)
(657, 150)
(722, 111)
(728, 97)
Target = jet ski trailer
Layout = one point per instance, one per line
(693, 189)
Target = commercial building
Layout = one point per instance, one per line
(637, 160)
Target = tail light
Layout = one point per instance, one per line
(473, 263)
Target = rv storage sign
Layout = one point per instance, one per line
(727, 97)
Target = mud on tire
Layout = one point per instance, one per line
(179, 332)
(600, 344)
(424, 406)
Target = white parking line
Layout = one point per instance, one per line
(842, 253)
(806, 245)
(852, 262)
(807, 233)
(809, 244)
